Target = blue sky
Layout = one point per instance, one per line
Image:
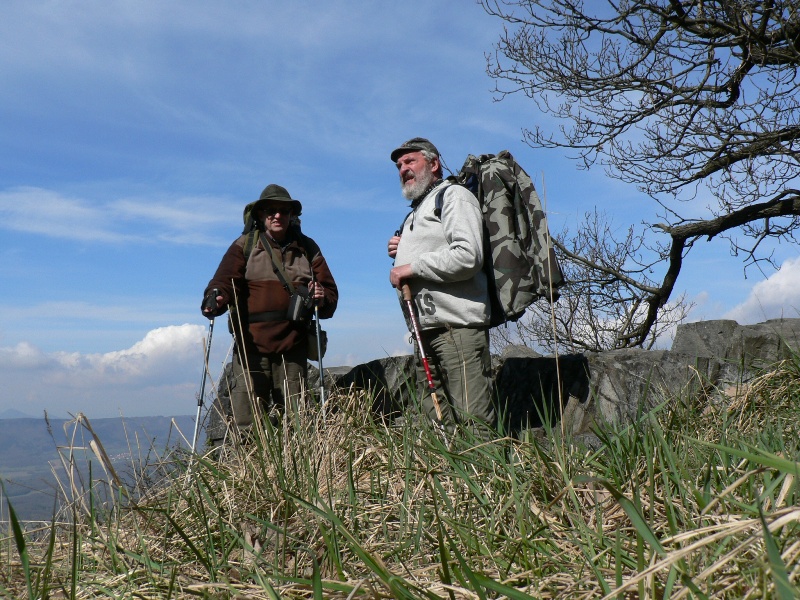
(133, 133)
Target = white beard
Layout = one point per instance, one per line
(413, 188)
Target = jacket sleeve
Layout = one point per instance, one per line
(331, 292)
(462, 256)
(324, 277)
(229, 276)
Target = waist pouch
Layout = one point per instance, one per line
(314, 351)
(300, 307)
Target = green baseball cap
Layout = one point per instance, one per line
(416, 144)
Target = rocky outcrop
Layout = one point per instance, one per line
(738, 350)
(390, 382)
(579, 390)
(613, 387)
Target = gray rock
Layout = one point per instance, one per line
(608, 387)
(527, 391)
(518, 351)
(738, 350)
(390, 382)
(625, 383)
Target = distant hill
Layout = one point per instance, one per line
(29, 452)
(13, 413)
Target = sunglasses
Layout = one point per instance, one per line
(271, 211)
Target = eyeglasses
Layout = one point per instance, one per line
(271, 211)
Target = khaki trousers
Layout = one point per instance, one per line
(461, 368)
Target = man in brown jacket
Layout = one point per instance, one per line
(271, 350)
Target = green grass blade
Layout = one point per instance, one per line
(316, 579)
(756, 456)
(501, 588)
(399, 587)
(19, 540)
(786, 591)
(634, 515)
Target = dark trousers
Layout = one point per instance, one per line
(265, 384)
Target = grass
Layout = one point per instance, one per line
(697, 499)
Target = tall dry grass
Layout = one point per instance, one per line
(697, 499)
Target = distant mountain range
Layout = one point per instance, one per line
(13, 413)
(32, 452)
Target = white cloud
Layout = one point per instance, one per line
(156, 357)
(23, 356)
(155, 376)
(158, 375)
(180, 220)
(777, 296)
(34, 210)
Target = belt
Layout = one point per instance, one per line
(270, 315)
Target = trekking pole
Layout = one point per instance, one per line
(551, 301)
(319, 348)
(319, 362)
(210, 301)
(415, 323)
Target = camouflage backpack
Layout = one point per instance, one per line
(523, 265)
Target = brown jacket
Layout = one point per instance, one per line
(255, 288)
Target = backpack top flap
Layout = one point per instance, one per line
(249, 218)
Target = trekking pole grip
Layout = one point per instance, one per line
(406, 292)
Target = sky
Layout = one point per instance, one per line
(133, 134)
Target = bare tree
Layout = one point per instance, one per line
(686, 99)
(602, 303)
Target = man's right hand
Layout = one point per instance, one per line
(211, 303)
(399, 274)
(393, 242)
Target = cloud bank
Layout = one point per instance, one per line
(776, 297)
(155, 376)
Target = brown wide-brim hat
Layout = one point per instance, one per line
(416, 144)
(277, 193)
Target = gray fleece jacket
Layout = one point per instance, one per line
(446, 256)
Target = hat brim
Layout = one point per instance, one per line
(398, 152)
(297, 207)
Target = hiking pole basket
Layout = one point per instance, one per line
(417, 335)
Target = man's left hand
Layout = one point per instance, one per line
(316, 291)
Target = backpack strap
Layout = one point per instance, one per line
(439, 202)
(250, 243)
(277, 265)
(403, 224)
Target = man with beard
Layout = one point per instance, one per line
(439, 254)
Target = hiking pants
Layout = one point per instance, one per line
(461, 369)
(272, 382)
